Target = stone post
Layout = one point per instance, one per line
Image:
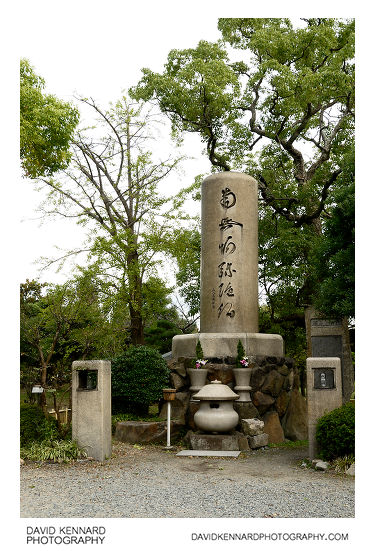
(229, 265)
(91, 407)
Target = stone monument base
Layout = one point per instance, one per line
(222, 345)
(232, 441)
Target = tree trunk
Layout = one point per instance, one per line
(135, 299)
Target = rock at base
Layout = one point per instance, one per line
(351, 470)
(252, 427)
(258, 441)
(262, 401)
(273, 427)
(245, 410)
(294, 421)
(320, 465)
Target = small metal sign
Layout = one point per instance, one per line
(317, 322)
(37, 389)
(324, 378)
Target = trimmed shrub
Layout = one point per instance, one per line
(138, 378)
(335, 432)
(35, 426)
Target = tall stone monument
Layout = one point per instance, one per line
(229, 273)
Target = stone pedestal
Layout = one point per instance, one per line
(242, 377)
(222, 345)
(220, 442)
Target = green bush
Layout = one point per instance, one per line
(138, 378)
(53, 450)
(35, 426)
(335, 432)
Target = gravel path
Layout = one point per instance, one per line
(152, 482)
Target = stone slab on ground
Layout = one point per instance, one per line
(209, 453)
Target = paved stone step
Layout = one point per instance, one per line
(209, 453)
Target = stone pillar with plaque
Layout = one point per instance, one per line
(91, 407)
(324, 393)
(328, 338)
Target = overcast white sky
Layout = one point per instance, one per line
(98, 49)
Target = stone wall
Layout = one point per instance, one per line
(275, 397)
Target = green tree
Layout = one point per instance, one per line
(113, 187)
(46, 126)
(333, 265)
(184, 246)
(59, 323)
(293, 91)
(275, 100)
(160, 335)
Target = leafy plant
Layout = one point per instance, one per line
(35, 426)
(241, 360)
(138, 378)
(199, 361)
(60, 451)
(335, 432)
(342, 464)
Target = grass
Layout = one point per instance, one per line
(290, 444)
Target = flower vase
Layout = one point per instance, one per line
(242, 378)
(197, 380)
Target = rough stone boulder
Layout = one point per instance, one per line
(245, 410)
(294, 421)
(262, 401)
(220, 372)
(281, 403)
(135, 432)
(273, 383)
(177, 381)
(273, 428)
(258, 441)
(179, 407)
(252, 427)
(257, 377)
